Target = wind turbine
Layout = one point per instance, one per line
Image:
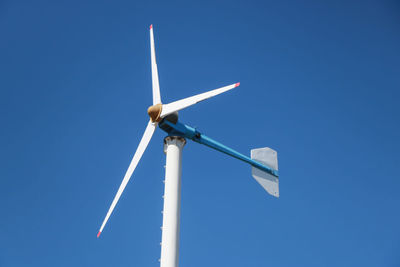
(264, 161)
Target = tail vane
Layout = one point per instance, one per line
(268, 157)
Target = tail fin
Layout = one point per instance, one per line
(268, 157)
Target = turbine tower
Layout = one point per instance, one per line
(263, 161)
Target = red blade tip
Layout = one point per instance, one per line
(98, 234)
(236, 85)
(151, 26)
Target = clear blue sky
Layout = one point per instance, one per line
(319, 83)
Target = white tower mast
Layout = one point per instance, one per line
(173, 146)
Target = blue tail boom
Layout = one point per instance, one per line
(186, 131)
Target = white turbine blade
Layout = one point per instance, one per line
(148, 133)
(154, 71)
(184, 103)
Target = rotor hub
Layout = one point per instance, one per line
(155, 112)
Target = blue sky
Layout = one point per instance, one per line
(319, 83)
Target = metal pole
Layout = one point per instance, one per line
(172, 201)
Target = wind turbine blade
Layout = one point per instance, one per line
(154, 71)
(148, 133)
(184, 103)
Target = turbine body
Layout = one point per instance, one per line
(263, 160)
